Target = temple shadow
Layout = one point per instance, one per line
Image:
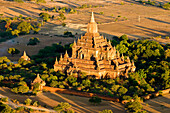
(151, 31)
(158, 20)
(81, 104)
(159, 104)
(24, 12)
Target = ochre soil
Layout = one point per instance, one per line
(158, 105)
(79, 104)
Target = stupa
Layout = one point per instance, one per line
(39, 81)
(25, 57)
(95, 56)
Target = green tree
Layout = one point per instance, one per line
(122, 90)
(167, 53)
(106, 111)
(13, 51)
(24, 27)
(5, 108)
(45, 16)
(28, 101)
(63, 106)
(23, 89)
(15, 32)
(95, 100)
(36, 103)
(1, 78)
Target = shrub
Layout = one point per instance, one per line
(63, 106)
(67, 33)
(28, 101)
(166, 6)
(63, 24)
(24, 27)
(45, 16)
(5, 99)
(13, 51)
(95, 100)
(40, 1)
(5, 108)
(106, 111)
(167, 37)
(20, 108)
(33, 41)
(101, 13)
(122, 3)
(36, 103)
(19, 1)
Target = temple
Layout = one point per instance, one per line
(95, 56)
(25, 57)
(39, 81)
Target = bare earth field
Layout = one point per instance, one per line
(158, 105)
(154, 21)
(79, 104)
(31, 50)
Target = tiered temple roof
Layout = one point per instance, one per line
(94, 55)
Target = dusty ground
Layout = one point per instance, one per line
(79, 104)
(31, 50)
(154, 21)
(158, 105)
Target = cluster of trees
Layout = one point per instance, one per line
(61, 10)
(152, 74)
(13, 51)
(154, 3)
(46, 17)
(89, 6)
(5, 108)
(16, 26)
(33, 41)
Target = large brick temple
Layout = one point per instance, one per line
(95, 56)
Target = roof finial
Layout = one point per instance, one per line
(92, 17)
(24, 54)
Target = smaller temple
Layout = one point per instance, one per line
(38, 80)
(25, 57)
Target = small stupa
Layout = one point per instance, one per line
(25, 57)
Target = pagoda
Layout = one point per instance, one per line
(39, 81)
(25, 57)
(95, 56)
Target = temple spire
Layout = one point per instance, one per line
(92, 26)
(66, 55)
(24, 54)
(92, 17)
(56, 61)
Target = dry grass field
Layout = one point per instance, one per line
(31, 50)
(154, 21)
(158, 105)
(79, 104)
